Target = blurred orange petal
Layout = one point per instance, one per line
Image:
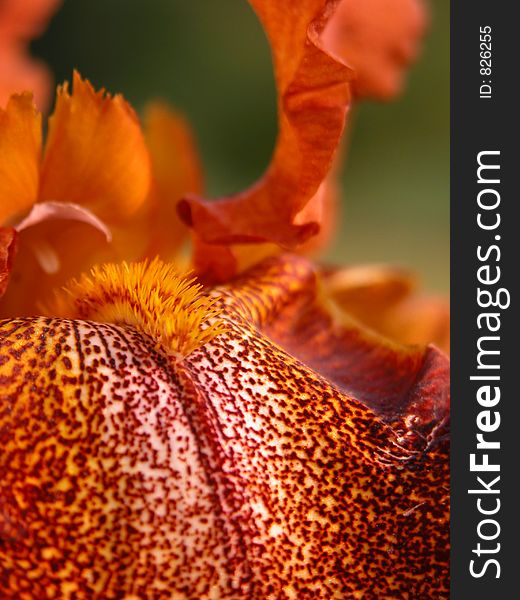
(378, 39)
(20, 150)
(97, 170)
(56, 241)
(313, 97)
(385, 299)
(323, 208)
(20, 21)
(366, 290)
(176, 171)
(25, 19)
(95, 154)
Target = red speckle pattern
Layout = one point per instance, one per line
(239, 472)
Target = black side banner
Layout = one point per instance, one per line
(484, 259)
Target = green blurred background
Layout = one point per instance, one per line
(211, 60)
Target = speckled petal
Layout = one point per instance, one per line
(237, 472)
(104, 489)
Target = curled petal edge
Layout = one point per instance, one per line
(313, 102)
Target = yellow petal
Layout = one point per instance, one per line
(20, 148)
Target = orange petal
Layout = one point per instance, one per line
(20, 73)
(53, 251)
(384, 299)
(214, 263)
(25, 19)
(295, 313)
(324, 206)
(20, 148)
(238, 470)
(95, 154)
(368, 290)
(7, 252)
(419, 320)
(378, 39)
(313, 96)
(176, 171)
(217, 263)
(48, 255)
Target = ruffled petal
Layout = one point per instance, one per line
(218, 263)
(313, 96)
(293, 310)
(95, 154)
(20, 149)
(239, 471)
(97, 170)
(176, 171)
(378, 39)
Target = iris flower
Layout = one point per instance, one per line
(235, 432)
